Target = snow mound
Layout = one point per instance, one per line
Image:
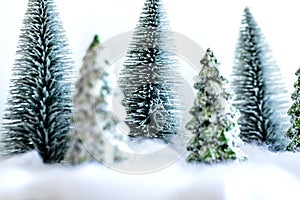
(266, 176)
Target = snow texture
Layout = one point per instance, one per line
(266, 176)
(261, 95)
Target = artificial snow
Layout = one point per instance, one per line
(266, 176)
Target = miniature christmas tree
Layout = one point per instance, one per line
(260, 92)
(92, 116)
(38, 110)
(150, 77)
(294, 131)
(214, 123)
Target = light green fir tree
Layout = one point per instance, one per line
(95, 136)
(214, 123)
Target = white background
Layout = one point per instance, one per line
(210, 23)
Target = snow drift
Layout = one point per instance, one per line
(266, 176)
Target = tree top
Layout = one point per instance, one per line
(96, 41)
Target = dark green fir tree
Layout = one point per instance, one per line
(260, 91)
(150, 77)
(38, 110)
(214, 123)
(294, 131)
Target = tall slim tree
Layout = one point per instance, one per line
(260, 91)
(93, 118)
(294, 131)
(150, 77)
(38, 112)
(214, 123)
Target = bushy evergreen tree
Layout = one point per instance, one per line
(294, 131)
(260, 92)
(92, 114)
(38, 110)
(150, 77)
(214, 123)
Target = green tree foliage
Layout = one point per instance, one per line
(294, 131)
(214, 123)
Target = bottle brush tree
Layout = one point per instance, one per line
(150, 77)
(294, 131)
(214, 123)
(93, 116)
(38, 110)
(260, 91)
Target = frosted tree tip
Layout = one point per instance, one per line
(209, 59)
(96, 41)
(247, 9)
